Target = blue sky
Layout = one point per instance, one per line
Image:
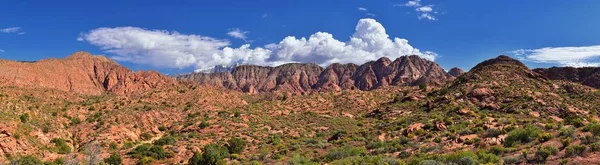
(181, 36)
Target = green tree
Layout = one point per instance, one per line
(212, 154)
(236, 145)
(196, 159)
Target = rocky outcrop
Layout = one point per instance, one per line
(507, 85)
(302, 78)
(81, 73)
(589, 76)
(456, 72)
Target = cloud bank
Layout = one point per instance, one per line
(585, 56)
(170, 49)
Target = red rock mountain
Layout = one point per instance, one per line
(589, 76)
(81, 73)
(302, 78)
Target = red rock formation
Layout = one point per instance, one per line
(81, 73)
(336, 77)
(302, 78)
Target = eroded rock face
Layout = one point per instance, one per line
(336, 77)
(589, 76)
(81, 73)
(302, 78)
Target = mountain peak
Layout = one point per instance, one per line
(80, 55)
(500, 60)
(456, 72)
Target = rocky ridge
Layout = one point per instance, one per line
(81, 73)
(304, 78)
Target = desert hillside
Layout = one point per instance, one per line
(88, 109)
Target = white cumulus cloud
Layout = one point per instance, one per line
(413, 3)
(10, 30)
(423, 11)
(155, 47)
(237, 33)
(362, 9)
(427, 16)
(174, 50)
(583, 56)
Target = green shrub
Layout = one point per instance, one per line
(29, 160)
(113, 146)
(430, 162)
(510, 160)
(236, 145)
(75, 121)
(145, 160)
(467, 161)
(544, 152)
(565, 142)
(147, 150)
(195, 159)
(522, 135)
(493, 132)
(61, 146)
(344, 152)
(594, 147)
(566, 131)
(301, 160)
(545, 137)
(374, 160)
(574, 120)
(146, 136)
(211, 155)
(485, 157)
(461, 157)
(594, 128)
(204, 124)
(114, 159)
(57, 161)
(423, 86)
(575, 150)
(24, 117)
(162, 128)
(167, 140)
